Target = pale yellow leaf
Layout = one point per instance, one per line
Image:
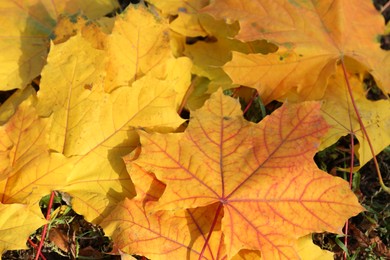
(307, 250)
(188, 25)
(31, 170)
(173, 7)
(8, 108)
(138, 43)
(70, 86)
(340, 114)
(95, 32)
(25, 28)
(17, 222)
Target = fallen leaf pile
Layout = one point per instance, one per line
(104, 126)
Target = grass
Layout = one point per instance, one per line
(369, 232)
(70, 236)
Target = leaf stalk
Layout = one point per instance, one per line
(44, 231)
(363, 128)
(206, 243)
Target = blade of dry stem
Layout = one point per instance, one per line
(363, 128)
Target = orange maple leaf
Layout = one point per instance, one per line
(312, 37)
(267, 189)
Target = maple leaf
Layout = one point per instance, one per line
(210, 55)
(139, 42)
(312, 37)
(163, 235)
(133, 228)
(337, 110)
(29, 170)
(9, 107)
(174, 7)
(94, 129)
(94, 31)
(17, 219)
(260, 176)
(26, 27)
(307, 250)
(69, 90)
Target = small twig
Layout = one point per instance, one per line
(352, 161)
(346, 227)
(385, 7)
(363, 128)
(250, 102)
(44, 231)
(235, 91)
(36, 247)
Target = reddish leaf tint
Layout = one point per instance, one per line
(261, 177)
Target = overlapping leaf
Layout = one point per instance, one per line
(17, 219)
(174, 7)
(136, 231)
(132, 232)
(25, 30)
(138, 43)
(165, 234)
(211, 54)
(312, 36)
(29, 170)
(70, 87)
(225, 188)
(339, 113)
(261, 176)
(95, 128)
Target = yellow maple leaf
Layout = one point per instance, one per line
(261, 176)
(25, 32)
(139, 42)
(95, 31)
(210, 56)
(98, 180)
(95, 128)
(17, 221)
(174, 7)
(188, 24)
(29, 170)
(69, 89)
(9, 107)
(312, 37)
(307, 250)
(338, 111)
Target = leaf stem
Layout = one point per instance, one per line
(363, 128)
(383, 9)
(206, 243)
(36, 247)
(250, 102)
(352, 162)
(44, 231)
